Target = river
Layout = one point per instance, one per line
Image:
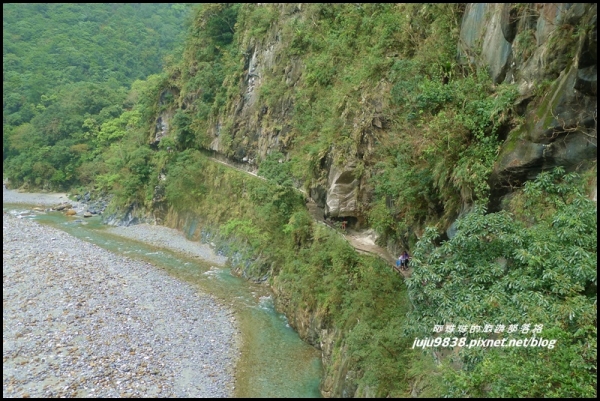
(274, 361)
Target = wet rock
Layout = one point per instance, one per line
(63, 206)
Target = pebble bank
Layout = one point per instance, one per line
(80, 321)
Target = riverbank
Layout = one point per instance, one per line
(169, 238)
(35, 198)
(159, 236)
(81, 321)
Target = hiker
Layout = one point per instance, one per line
(405, 257)
(344, 222)
(400, 261)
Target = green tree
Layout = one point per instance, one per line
(67, 68)
(534, 266)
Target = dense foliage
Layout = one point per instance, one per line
(88, 119)
(67, 69)
(536, 265)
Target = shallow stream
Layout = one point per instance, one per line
(274, 361)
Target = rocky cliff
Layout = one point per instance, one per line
(547, 50)
(273, 91)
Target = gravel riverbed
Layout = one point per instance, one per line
(159, 236)
(35, 198)
(169, 238)
(79, 321)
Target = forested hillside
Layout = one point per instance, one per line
(464, 133)
(67, 69)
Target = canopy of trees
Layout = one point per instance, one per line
(84, 86)
(66, 70)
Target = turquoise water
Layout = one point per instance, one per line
(274, 361)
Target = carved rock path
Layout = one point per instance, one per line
(362, 240)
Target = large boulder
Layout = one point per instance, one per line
(62, 206)
(342, 191)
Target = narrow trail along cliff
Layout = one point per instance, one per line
(362, 240)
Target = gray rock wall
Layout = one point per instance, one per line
(549, 51)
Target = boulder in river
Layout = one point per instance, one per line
(87, 214)
(71, 212)
(63, 206)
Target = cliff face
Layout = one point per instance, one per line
(256, 127)
(259, 115)
(548, 51)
